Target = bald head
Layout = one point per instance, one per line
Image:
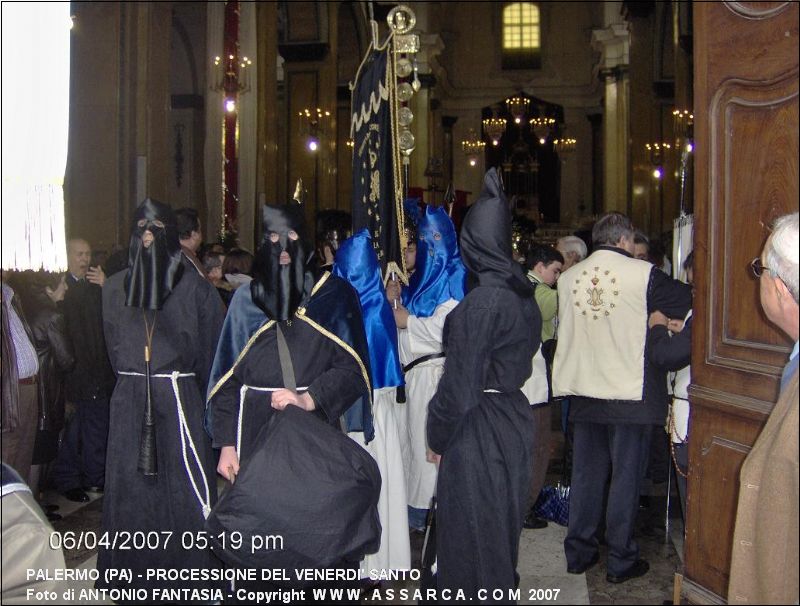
(79, 253)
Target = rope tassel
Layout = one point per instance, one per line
(148, 456)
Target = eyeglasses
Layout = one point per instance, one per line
(758, 267)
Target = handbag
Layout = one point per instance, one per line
(553, 504)
(553, 501)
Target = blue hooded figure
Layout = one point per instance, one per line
(440, 274)
(435, 288)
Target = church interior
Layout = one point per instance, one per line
(148, 93)
(682, 115)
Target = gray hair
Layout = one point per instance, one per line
(782, 252)
(611, 228)
(574, 244)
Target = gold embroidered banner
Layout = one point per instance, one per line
(377, 185)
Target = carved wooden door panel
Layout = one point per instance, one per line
(746, 146)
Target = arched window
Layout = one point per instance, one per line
(521, 36)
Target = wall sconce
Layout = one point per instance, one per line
(494, 129)
(312, 127)
(232, 79)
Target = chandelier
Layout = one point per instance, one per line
(542, 127)
(564, 145)
(656, 152)
(683, 120)
(312, 123)
(518, 107)
(494, 129)
(472, 148)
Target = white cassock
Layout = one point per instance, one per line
(395, 550)
(422, 337)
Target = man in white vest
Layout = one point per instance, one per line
(604, 303)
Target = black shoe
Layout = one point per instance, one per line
(581, 569)
(77, 495)
(97, 489)
(533, 522)
(52, 517)
(644, 502)
(48, 508)
(639, 568)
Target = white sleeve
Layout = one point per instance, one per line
(424, 335)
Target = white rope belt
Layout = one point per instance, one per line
(186, 437)
(242, 393)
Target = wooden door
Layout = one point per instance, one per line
(746, 146)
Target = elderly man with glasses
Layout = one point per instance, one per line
(764, 566)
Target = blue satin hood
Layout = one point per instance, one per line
(439, 274)
(357, 263)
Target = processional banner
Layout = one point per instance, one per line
(377, 178)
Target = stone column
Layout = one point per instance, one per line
(613, 43)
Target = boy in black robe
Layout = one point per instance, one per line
(479, 422)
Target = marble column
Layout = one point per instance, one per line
(613, 43)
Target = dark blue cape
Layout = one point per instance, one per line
(333, 306)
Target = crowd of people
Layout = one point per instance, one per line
(338, 406)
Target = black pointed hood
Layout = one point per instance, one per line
(486, 240)
(280, 289)
(153, 272)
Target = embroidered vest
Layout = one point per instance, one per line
(602, 327)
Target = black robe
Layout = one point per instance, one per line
(479, 420)
(184, 340)
(334, 376)
(299, 479)
(484, 439)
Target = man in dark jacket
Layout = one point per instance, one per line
(81, 460)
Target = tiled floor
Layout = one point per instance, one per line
(541, 565)
(657, 548)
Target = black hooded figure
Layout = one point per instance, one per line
(177, 315)
(292, 369)
(153, 271)
(479, 421)
(282, 281)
